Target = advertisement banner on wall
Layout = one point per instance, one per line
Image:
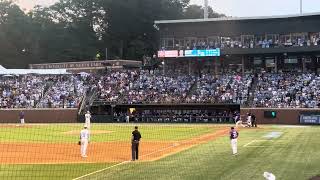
(202, 53)
(310, 119)
(170, 53)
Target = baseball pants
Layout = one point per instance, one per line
(88, 124)
(135, 150)
(84, 145)
(234, 146)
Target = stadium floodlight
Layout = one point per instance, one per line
(205, 13)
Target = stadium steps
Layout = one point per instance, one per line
(45, 92)
(252, 91)
(192, 89)
(87, 101)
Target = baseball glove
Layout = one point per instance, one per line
(79, 143)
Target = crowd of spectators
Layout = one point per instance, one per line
(228, 88)
(44, 91)
(250, 41)
(287, 90)
(21, 91)
(64, 92)
(113, 86)
(281, 90)
(156, 88)
(137, 87)
(221, 116)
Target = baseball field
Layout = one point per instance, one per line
(167, 151)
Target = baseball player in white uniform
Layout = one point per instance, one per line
(84, 140)
(249, 120)
(88, 119)
(239, 122)
(127, 118)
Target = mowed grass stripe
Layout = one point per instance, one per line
(214, 161)
(119, 132)
(47, 172)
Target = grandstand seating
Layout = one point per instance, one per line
(282, 90)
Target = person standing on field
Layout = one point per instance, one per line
(239, 122)
(88, 119)
(21, 116)
(84, 141)
(254, 120)
(234, 140)
(135, 140)
(249, 120)
(127, 118)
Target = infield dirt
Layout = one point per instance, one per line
(60, 153)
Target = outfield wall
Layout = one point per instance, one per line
(284, 116)
(70, 115)
(50, 115)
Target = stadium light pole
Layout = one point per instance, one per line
(300, 6)
(205, 13)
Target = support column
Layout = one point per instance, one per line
(189, 67)
(317, 66)
(276, 64)
(243, 65)
(112, 111)
(303, 59)
(216, 59)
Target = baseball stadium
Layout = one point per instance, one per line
(157, 90)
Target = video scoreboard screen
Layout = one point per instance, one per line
(190, 53)
(202, 53)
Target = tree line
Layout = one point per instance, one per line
(76, 30)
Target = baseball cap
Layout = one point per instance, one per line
(85, 126)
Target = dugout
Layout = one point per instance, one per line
(288, 116)
(164, 113)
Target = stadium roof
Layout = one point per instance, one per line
(235, 18)
(4, 71)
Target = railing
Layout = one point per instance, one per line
(88, 99)
(83, 104)
(178, 119)
(45, 92)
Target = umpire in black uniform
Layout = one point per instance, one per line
(136, 136)
(254, 120)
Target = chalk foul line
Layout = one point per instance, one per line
(124, 162)
(160, 150)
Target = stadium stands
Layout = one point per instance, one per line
(281, 90)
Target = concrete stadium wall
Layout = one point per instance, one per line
(284, 116)
(40, 115)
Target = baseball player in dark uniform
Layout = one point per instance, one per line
(234, 140)
(136, 136)
(254, 120)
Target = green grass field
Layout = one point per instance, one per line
(294, 155)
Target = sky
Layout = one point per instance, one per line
(236, 8)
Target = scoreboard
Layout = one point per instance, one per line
(189, 53)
